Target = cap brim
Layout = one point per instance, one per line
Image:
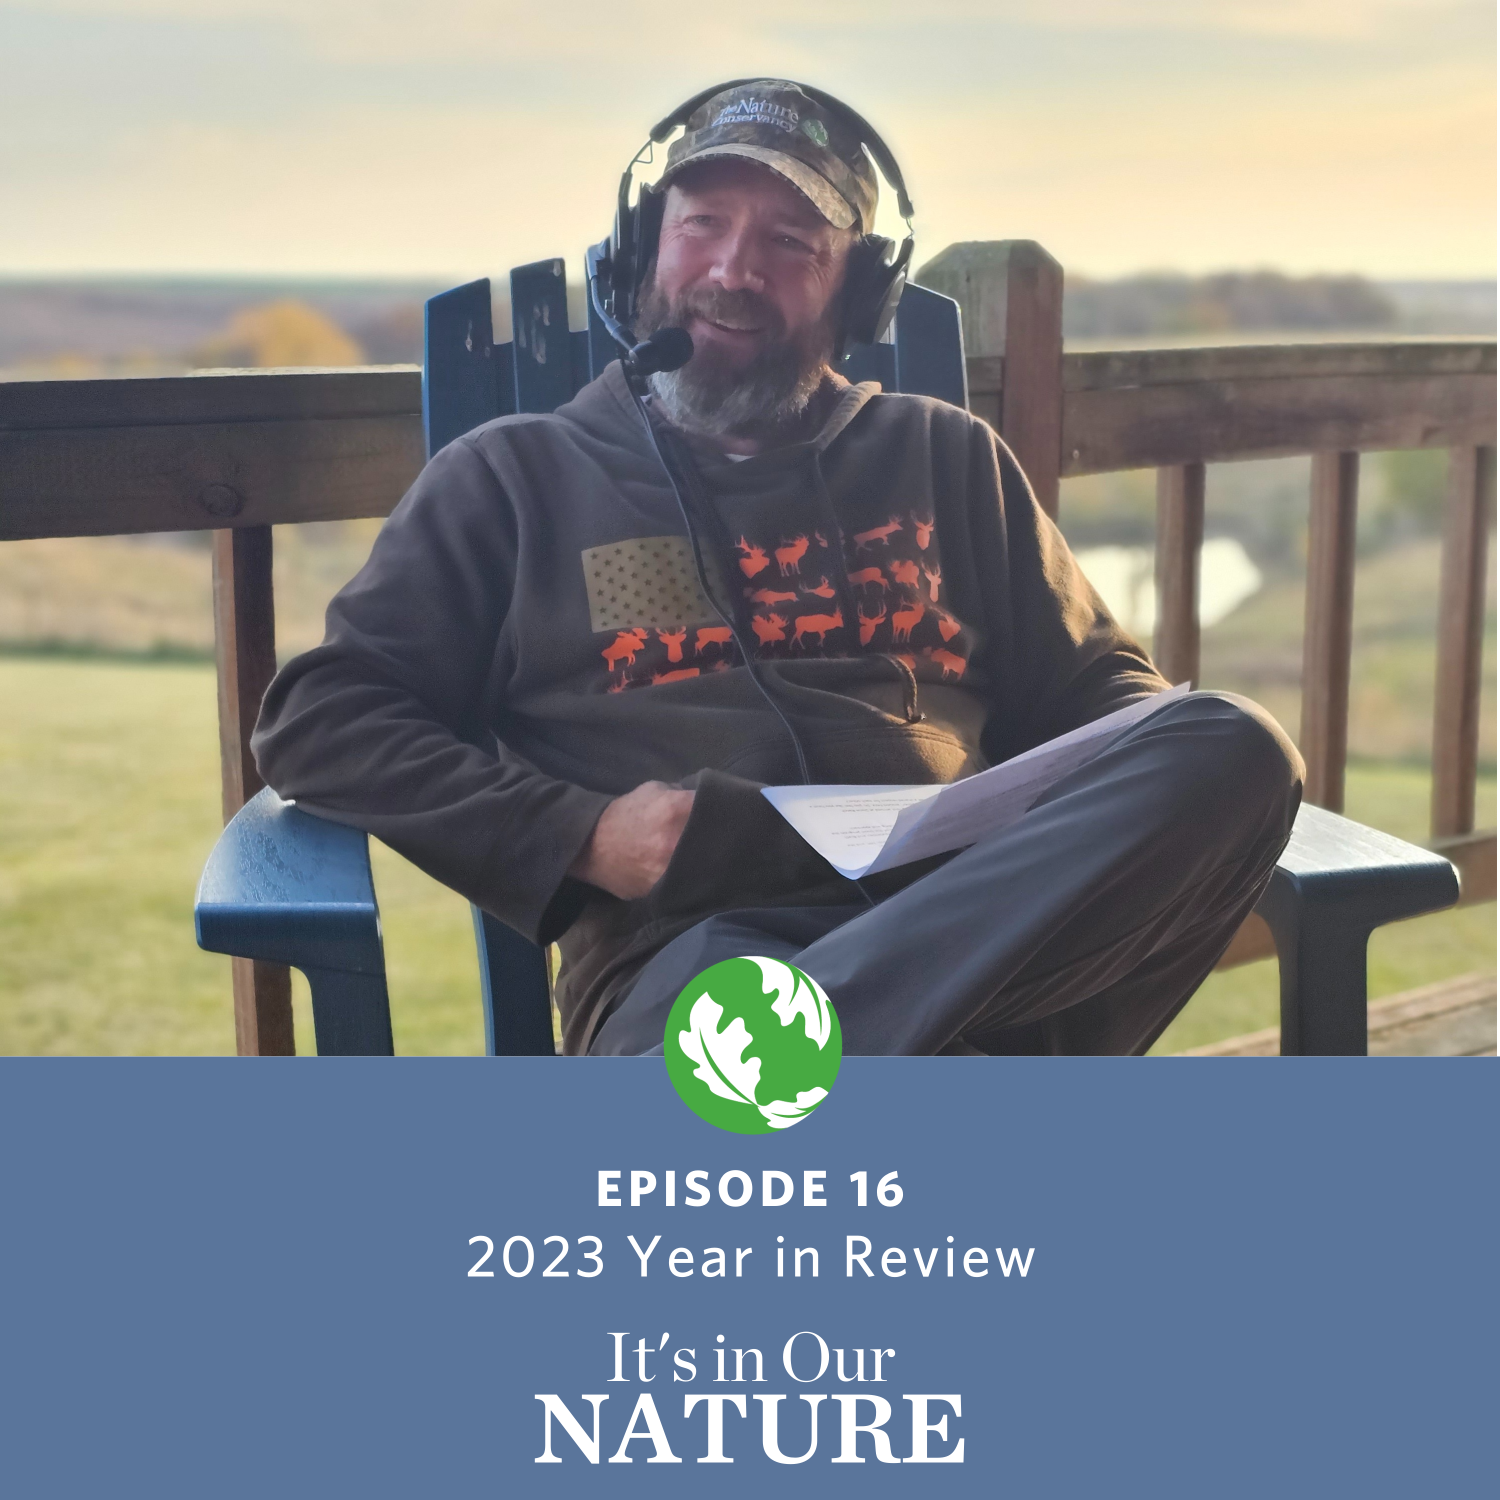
(812, 185)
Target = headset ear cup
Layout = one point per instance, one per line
(873, 282)
(895, 284)
(636, 233)
(648, 216)
(621, 267)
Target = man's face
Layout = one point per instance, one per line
(731, 226)
(752, 271)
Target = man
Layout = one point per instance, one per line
(529, 691)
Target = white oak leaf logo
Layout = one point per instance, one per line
(779, 1114)
(797, 995)
(722, 1064)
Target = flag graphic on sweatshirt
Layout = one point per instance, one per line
(878, 590)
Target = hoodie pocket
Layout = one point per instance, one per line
(735, 850)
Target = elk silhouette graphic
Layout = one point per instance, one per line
(789, 556)
(934, 577)
(905, 572)
(768, 597)
(818, 625)
(947, 661)
(882, 534)
(867, 624)
(676, 676)
(712, 635)
(823, 589)
(924, 531)
(754, 561)
(672, 640)
(903, 620)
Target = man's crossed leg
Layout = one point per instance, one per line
(1082, 928)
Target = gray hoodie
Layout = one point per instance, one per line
(530, 638)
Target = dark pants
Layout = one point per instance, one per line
(1082, 928)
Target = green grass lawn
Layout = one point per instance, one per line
(109, 803)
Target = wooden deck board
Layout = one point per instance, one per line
(1455, 1018)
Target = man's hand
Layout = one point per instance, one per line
(634, 838)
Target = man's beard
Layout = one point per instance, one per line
(710, 395)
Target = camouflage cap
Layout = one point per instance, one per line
(774, 123)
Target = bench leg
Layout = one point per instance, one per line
(1322, 954)
(515, 991)
(351, 1013)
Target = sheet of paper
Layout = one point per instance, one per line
(861, 830)
(848, 825)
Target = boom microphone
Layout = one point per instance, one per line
(666, 349)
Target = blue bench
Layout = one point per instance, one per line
(285, 887)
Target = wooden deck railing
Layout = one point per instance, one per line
(238, 453)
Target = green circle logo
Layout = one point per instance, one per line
(753, 1045)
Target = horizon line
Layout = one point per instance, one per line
(450, 279)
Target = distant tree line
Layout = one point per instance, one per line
(1168, 303)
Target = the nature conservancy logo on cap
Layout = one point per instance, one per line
(753, 1045)
(756, 112)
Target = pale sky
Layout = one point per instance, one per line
(448, 138)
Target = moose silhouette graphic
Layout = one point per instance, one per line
(868, 576)
(768, 628)
(905, 572)
(626, 646)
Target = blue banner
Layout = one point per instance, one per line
(955, 1277)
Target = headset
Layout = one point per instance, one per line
(877, 269)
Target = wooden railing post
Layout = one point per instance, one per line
(1461, 601)
(1329, 631)
(245, 651)
(1179, 544)
(1011, 293)
(1031, 398)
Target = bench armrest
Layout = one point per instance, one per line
(282, 886)
(1335, 883)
